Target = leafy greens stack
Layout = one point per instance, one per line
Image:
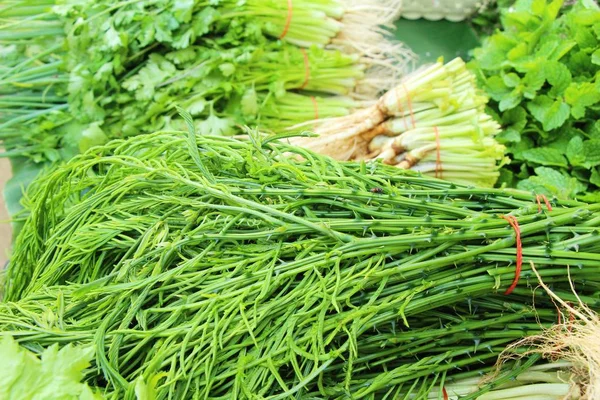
(81, 72)
(542, 72)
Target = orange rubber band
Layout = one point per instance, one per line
(515, 225)
(438, 157)
(315, 106)
(538, 198)
(400, 108)
(288, 20)
(306, 69)
(410, 108)
(445, 393)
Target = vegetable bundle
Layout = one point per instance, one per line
(89, 71)
(433, 122)
(542, 73)
(215, 268)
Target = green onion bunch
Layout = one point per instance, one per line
(219, 268)
(82, 72)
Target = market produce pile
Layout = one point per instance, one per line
(75, 74)
(255, 200)
(212, 267)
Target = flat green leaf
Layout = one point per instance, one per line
(510, 101)
(515, 118)
(92, 136)
(511, 80)
(552, 114)
(595, 178)
(496, 88)
(56, 376)
(580, 96)
(591, 150)
(545, 156)
(558, 75)
(227, 69)
(508, 136)
(214, 125)
(249, 103)
(596, 57)
(552, 182)
(575, 151)
(533, 81)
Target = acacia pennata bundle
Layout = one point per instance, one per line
(211, 267)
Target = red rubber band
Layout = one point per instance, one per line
(288, 20)
(515, 225)
(306, 69)
(410, 108)
(445, 394)
(438, 157)
(315, 106)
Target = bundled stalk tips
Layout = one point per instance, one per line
(433, 122)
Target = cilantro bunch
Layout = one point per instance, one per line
(121, 67)
(542, 72)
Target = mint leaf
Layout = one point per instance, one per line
(511, 80)
(558, 75)
(595, 178)
(575, 151)
(545, 156)
(508, 136)
(496, 88)
(533, 81)
(510, 100)
(591, 151)
(580, 96)
(552, 182)
(552, 114)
